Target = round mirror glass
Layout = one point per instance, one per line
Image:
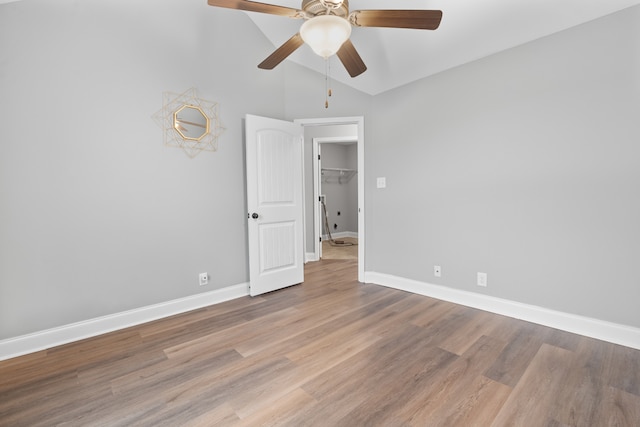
(191, 122)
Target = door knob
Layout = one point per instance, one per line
(254, 215)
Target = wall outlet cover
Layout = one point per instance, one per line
(482, 279)
(203, 278)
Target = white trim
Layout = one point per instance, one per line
(310, 257)
(612, 332)
(43, 340)
(304, 205)
(340, 235)
(317, 247)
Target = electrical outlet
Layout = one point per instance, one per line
(482, 279)
(204, 279)
(381, 182)
(437, 271)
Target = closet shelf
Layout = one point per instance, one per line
(338, 175)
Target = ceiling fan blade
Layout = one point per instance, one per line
(282, 52)
(417, 19)
(252, 6)
(351, 59)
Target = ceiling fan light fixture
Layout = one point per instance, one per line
(325, 34)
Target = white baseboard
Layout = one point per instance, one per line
(607, 331)
(43, 340)
(612, 332)
(312, 256)
(341, 235)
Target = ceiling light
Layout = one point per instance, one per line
(325, 34)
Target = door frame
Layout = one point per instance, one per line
(359, 121)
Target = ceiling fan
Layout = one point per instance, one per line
(327, 27)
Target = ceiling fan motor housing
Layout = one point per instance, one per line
(316, 7)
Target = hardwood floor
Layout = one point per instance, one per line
(330, 251)
(329, 352)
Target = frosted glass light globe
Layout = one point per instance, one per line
(325, 34)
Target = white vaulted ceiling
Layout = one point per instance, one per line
(470, 30)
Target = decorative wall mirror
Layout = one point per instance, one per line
(189, 122)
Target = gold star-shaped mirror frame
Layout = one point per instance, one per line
(165, 118)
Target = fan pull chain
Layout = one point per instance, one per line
(327, 81)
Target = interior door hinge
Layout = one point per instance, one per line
(318, 156)
(320, 238)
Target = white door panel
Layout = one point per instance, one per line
(274, 200)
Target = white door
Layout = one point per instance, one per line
(274, 201)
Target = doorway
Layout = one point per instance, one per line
(331, 130)
(335, 194)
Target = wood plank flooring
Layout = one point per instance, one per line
(329, 352)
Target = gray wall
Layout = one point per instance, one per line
(352, 190)
(524, 165)
(340, 196)
(97, 216)
(304, 97)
